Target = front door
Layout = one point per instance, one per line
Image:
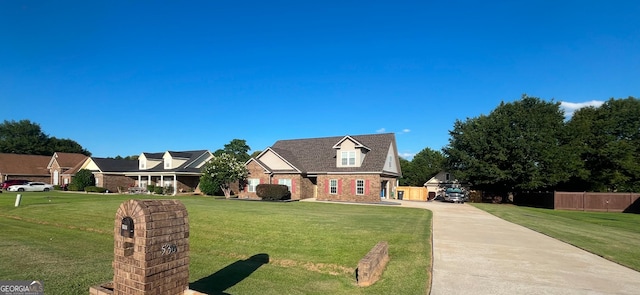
(383, 189)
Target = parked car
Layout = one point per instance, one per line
(455, 195)
(31, 187)
(7, 183)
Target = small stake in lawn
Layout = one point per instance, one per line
(18, 199)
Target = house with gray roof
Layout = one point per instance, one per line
(179, 171)
(355, 168)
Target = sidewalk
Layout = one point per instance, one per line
(475, 252)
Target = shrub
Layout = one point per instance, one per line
(82, 179)
(57, 187)
(151, 188)
(73, 187)
(209, 186)
(158, 190)
(95, 189)
(273, 192)
(167, 190)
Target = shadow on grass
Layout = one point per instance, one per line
(229, 276)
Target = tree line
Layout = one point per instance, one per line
(25, 137)
(529, 145)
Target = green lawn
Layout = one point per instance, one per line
(614, 236)
(65, 240)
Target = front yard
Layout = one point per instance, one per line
(66, 240)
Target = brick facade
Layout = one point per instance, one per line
(154, 257)
(304, 187)
(347, 191)
(113, 182)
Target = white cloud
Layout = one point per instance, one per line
(407, 156)
(570, 107)
(383, 130)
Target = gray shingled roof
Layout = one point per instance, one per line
(153, 155)
(116, 165)
(317, 155)
(190, 155)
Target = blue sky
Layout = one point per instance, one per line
(125, 77)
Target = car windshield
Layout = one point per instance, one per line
(454, 190)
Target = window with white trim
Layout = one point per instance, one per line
(359, 187)
(333, 186)
(348, 158)
(253, 183)
(286, 182)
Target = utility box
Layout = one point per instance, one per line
(151, 248)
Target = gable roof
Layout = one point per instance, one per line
(318, 155)
(187, 166)
(18, 164)
(67, 160)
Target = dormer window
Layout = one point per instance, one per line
(167, 165)
(348, 158)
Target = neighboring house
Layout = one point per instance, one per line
(111, 173)
(178, 170)
(439, 183)
(63, 166)
(358, 168)
(28, 167)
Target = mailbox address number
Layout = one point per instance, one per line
(168, 249)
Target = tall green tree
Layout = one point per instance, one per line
(238, 148)
(424, 165)
(222, 170)
(607, 139)
(405, 166)
(26, 137)
(23, 137)
(66, 146)
(518, 146)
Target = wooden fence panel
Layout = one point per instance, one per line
(413, 193)
(599, 202)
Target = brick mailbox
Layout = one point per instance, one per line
(151, 249)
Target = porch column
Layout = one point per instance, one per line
(162, 180)
(387, 192)
(175, 184)
(139, 180)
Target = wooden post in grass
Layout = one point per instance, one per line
(18, 200)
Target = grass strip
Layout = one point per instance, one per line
(614, 236)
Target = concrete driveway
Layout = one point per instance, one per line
(475, 252)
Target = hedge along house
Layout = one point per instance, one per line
(358, 168)
(179, 170)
